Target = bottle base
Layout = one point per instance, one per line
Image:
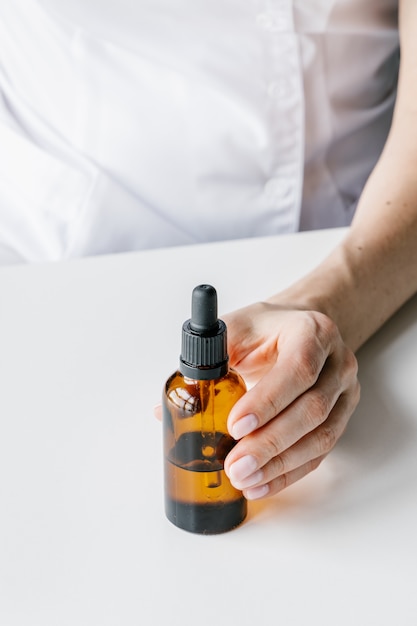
(206, 519)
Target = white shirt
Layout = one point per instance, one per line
(129, 124)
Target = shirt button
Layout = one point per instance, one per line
(273, 21)
(277, 89)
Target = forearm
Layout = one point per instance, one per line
(380, 251)
(370, 274)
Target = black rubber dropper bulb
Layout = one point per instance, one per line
(203, 309)
(204, 340)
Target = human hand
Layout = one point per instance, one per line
(305, 389)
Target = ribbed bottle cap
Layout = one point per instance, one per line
(204, 339)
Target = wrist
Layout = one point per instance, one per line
(331, 289)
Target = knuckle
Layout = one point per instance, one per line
(282, 482)
(307, 364)
(320, 405)
(327, 438)
(278, 465)
(273, 447)
(351, 364)
(275, 476)
(327, 328)
(285, 480)
(324, 328)
(353, 396)
(314, 463)
(318, 333)
(271, 404)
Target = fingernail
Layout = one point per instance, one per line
(244, 426)
(256, 492)
(249, 481)
(242, 468)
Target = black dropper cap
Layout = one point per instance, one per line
(204, 341)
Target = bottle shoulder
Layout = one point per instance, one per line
(232, 378)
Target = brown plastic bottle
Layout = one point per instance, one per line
(197, 400)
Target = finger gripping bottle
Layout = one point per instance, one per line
(197, 400)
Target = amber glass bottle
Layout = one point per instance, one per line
(197, 400)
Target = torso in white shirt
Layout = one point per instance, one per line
(128, 125)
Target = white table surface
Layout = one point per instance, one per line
(85, 348)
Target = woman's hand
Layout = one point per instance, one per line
(305, 389)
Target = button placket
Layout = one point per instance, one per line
(275, 16)
(284, 102)
(272, 21)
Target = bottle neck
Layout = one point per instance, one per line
(204, 373)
